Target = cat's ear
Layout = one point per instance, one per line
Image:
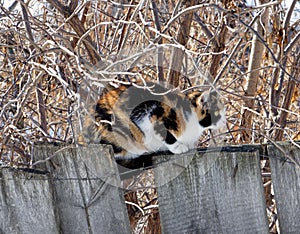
(207, 98)
(203, 99)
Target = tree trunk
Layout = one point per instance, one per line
(289, 92)
(255, 62)
(178, 54)
(220, 46)
(284, 47)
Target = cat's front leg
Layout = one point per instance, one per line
(173, 145)
(178, 148)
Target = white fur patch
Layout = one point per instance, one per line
(192, 131)
(153, 142)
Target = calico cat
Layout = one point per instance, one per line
(138, 120)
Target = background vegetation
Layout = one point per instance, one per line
(56, 56)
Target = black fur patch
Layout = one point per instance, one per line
(170, 139)
(209, 120)
(170, 121)
(144, 108)
(102, 113)
(158, 111)
(206, 122)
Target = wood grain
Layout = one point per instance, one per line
(286, 182)
(217, 192)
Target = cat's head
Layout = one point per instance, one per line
(209, 108)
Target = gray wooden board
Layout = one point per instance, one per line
(215, 192)
(85, 183)
(286, 182)
(26, 204)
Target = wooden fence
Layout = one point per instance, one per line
(217, 191)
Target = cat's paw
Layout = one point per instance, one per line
(178, 148)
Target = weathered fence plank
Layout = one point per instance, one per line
(286, 182)
(26, 204)
(215, 192)
(86, 188)
(218, 191)
(80, 194)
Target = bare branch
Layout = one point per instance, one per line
(78, 28)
